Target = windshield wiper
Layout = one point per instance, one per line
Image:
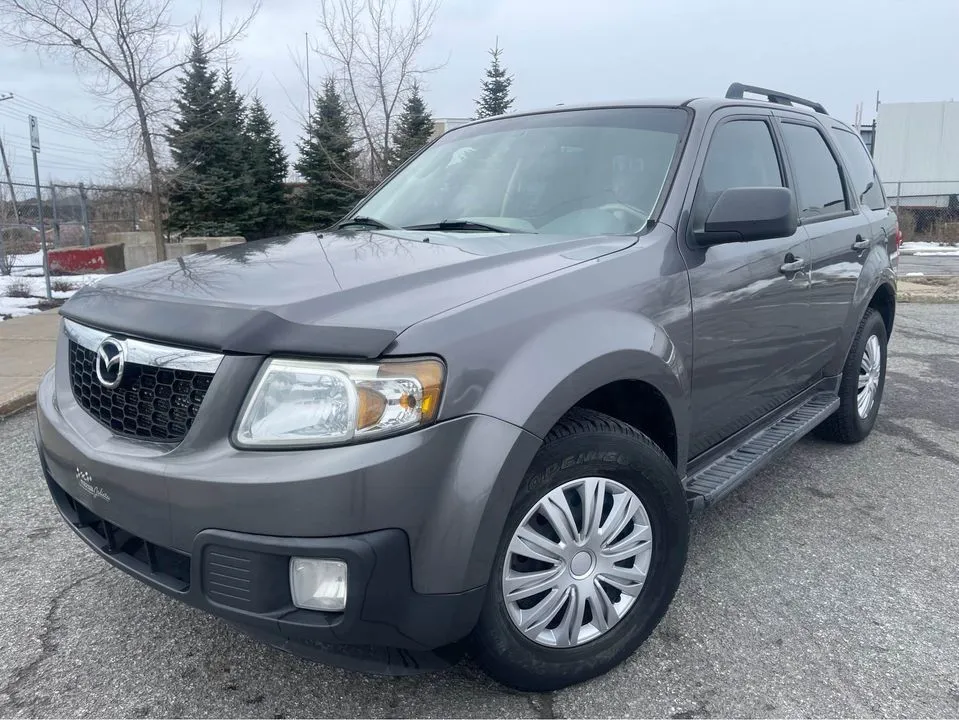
(365, 222)
(461, 225)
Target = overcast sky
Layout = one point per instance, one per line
(839, 52)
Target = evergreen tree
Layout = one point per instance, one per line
(413, 130)
(229, 176)
(267, 161)
(192, 138)
(328, 162)
(495, 98)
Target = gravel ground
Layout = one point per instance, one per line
(827, 586)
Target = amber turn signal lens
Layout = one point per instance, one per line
(429, 374)
(370, 407)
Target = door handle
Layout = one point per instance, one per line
(861, 244)
(792, 266)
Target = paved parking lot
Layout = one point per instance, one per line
(828, 586)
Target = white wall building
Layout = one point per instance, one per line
(917, 152)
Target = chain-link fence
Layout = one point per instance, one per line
(928, 210)
(73, 216)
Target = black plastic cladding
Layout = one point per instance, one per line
(166, 567)
(151, 403)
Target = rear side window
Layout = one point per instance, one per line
(861, 170)
(818, 178)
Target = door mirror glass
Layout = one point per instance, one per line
(744, 214)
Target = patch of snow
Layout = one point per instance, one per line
(17, 307)
(38, 288)
(914, 274)
(945, 253)
(33, 261)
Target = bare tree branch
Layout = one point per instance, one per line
(126, 52)
(371, 46)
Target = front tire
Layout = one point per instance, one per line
(591, 555)
(861, 386)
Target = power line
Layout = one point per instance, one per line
(35, 107)
(64, 148)
(12, 115)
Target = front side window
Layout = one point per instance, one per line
(741, 154)
(582, 172)
(862, 173)
(818, 180)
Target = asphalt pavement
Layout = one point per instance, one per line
(827, 586)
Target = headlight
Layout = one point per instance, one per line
(302, 402)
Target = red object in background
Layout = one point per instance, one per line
(96, 258)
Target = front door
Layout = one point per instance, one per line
(750, 300)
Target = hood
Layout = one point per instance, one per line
(342, 294)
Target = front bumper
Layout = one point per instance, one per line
(244, 579)
(417, 518)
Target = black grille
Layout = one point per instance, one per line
(167, 567)
(151, 403)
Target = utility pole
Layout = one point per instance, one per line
(309, 89)
(35, 148)
(6, 168)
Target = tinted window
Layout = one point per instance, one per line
(860, 168)
(818, 180)
(741, 154)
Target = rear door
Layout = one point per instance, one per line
(749, 299)
(839, 233)
(867, 188)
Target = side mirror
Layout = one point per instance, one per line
(750, 213)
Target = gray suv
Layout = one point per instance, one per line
(478, 413)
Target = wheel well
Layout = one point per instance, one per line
(884, 302)
(638, 404)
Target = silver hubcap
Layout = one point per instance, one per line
(870, 368)
(577, 562)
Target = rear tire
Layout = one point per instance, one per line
(586, 455)
(863, 380)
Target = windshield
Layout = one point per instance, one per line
(581, 172)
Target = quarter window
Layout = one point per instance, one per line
(861, 170)
(818, 178)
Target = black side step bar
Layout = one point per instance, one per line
(725, 474)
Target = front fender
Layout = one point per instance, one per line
(558, 366)
(546, 375)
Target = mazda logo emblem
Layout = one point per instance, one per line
(111, 357)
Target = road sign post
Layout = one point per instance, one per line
(35, 147)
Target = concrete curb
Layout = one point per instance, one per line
(928, 289)
(14, 404)
(911, 298)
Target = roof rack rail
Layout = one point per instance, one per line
(736, 91)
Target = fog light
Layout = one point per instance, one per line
(318, 584)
